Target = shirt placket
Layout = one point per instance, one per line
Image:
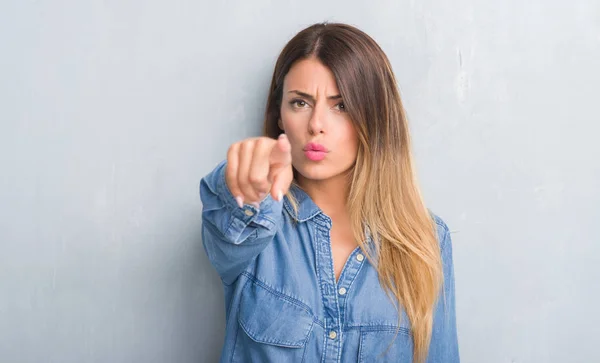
(345, 283)
(326, 275)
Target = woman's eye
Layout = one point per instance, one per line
(298, 103)
(341, 106)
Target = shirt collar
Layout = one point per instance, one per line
(307, 209)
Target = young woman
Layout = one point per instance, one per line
(318, 230)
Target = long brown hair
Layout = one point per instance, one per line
(384, 198)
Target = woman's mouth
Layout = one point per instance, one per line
(315, 152)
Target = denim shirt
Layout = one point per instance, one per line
(283, 303)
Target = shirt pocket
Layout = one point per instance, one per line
(275, 327)
(384, 345)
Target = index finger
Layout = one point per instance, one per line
(281, 155)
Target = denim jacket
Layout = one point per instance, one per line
(283, 303)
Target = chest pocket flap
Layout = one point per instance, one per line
(270, 317)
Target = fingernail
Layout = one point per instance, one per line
(240, 201)
(282, 136)
(279, 196)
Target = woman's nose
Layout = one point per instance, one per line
(316, 124)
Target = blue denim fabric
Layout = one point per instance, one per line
(283, 303)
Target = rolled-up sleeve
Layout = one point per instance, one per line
(233, 236)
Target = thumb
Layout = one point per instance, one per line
(281, 183)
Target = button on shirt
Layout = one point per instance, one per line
(283, 303)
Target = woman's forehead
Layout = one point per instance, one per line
(311, 77)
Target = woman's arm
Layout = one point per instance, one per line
(233, 236)
(444, 339)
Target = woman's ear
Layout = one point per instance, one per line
(280, 124)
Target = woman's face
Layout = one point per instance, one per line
(323, 138)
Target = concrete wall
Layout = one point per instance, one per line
(112, 111)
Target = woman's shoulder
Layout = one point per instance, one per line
(443, 232)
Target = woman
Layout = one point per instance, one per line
(318, 229)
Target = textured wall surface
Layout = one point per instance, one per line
(112, 111)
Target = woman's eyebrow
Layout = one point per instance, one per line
(311, 97)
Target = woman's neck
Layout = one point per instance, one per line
(330, 195)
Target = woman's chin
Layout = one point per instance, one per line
(317, 172)
(314, 172)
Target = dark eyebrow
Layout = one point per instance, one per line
(312, 98)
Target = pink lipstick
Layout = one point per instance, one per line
(315, 152)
